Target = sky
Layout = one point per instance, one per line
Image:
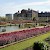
(12, 6)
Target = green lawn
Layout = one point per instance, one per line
(27, 43)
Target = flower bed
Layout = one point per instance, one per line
(8, 38)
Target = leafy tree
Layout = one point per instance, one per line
(39, 46)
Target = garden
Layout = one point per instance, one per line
(37, 34)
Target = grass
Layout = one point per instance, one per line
(27, 43)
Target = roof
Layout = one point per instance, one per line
(43, 14)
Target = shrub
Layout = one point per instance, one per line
(40, 46)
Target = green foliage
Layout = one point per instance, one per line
(3, 19)
(38, 46)
(29, 25)
(42, 24)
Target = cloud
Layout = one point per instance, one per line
(32, 3)
(35, 3)
(13, 7)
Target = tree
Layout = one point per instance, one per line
(39, 46)
(35, 20)
(3, 19)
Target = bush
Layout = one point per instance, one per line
(40, 46)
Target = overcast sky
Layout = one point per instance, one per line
(12, 6)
